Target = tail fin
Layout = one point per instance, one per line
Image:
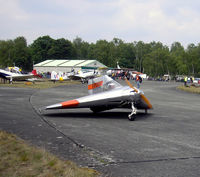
(34, 72)
(101, 84)
(54, 75)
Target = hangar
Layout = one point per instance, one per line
(67, 65)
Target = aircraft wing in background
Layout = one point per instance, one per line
(84, 76)
(20, 77)
(15, 76)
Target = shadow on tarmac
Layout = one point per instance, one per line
(101, 115)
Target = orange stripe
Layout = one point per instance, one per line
(146, 101)
(95, 85)
(70, 103)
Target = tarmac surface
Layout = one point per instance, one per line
(165, 142)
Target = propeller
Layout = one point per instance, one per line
(142, 95)
(130, 85)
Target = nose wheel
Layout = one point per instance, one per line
(131, 116)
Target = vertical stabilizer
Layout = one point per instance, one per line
(101, 84)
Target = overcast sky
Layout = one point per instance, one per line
(166, 21)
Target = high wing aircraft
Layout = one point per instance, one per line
(83, 75)
(13, 74)
(105, 94)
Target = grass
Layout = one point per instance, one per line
(191, 89)
(38, 85)
(20, 159)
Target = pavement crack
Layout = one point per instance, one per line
(97, 158)
(150, 161)
(39, 113)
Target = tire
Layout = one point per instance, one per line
(131, 118)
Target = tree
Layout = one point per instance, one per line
(6, 53)
(179, 59)
(126, 55)
(141, 50)
(22, 56)
(40, 49)
(192, 59)
(102, 52)
(81, 48)
(156, 60)
(60, 49)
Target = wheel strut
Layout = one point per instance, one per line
(131, 116)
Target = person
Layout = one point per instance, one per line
(113, 76)
(191, 80)
(185, 81)
(138, 80)
(128, 75)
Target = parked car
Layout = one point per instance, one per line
(179, 78)
(196, 81)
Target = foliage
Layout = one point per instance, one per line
(191, 89)
(15, 52)
(60, 49)
(40, 49)
(154, 58)
(21, 159)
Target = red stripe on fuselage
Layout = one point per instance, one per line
(95, 85)
(70, 103)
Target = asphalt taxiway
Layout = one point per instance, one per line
(165, 142)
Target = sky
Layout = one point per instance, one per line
(165, 21)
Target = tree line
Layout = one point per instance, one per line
(154, 58)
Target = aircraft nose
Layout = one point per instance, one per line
(55, 106)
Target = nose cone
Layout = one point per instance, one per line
(54, 106)
(66, 104)
(70, 104)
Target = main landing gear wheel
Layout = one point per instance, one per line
(131, 118)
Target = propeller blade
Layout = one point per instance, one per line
(146, 101)
(130, 85)
(142, 95)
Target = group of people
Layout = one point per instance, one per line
(187, 79)
(121, 75)
(138, 78)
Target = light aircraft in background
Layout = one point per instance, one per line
(14, 74)
(60, 76)
(84, 75)
(105, 94)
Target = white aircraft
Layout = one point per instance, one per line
(60, 76)
(14, 74)
(84, 75)
(105, 94)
